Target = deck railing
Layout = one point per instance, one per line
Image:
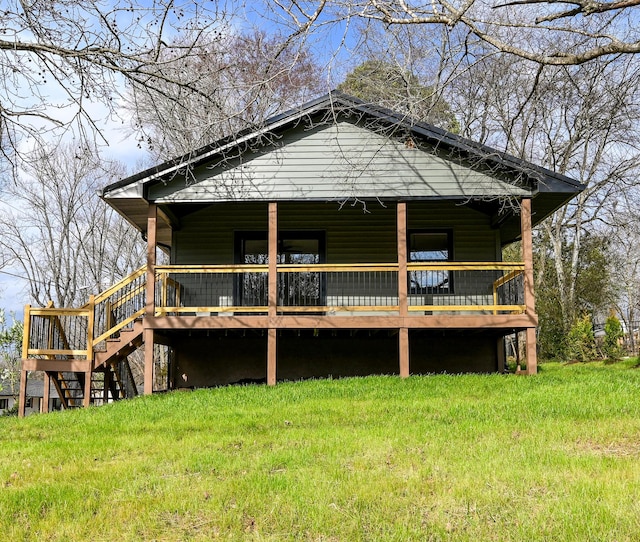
(336, 288)
(327, 289)
(466, 287)
(57, 333)
(494, 288)
(63, 333)
(189, 289)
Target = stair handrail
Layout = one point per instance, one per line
(88, 310)
(121, 284)
(114, 327)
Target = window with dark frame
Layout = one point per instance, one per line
(294, 247)
(4, 404)
(430, 246)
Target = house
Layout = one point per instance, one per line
(34, 398)
(339, 238)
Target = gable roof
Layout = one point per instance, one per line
(272, 162)
(35, 388)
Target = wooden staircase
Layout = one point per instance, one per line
(70, 388)
(111, 382)
(120, 346)
(84, 352)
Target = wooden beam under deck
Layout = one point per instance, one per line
(57, 365)
(448, 321)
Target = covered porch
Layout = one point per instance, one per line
(268, 294)
(280, 283)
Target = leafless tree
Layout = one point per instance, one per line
(64, 240)
(623, 254)
(10, 350)
(60, 58)
(240, 79)
(548, 32)
(581, 121)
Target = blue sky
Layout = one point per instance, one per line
(121, 142)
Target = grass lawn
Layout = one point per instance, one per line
(470, 457)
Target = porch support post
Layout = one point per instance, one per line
(403, 290)
(273, 259)
(529, 296)
(46, 394)
(271, 356)
(152, 223)
(87, 389)
(273, 292)
(404, 352)
(403, 300)
(22, 398)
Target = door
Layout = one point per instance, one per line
(301, 288)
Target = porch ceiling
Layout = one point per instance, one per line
(505, 219)
(135, 211)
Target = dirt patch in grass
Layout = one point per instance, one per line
(623, 447)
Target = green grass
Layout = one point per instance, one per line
(551, 457)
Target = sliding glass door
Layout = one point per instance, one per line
(295, 288)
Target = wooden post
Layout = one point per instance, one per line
(403, 299)
(90, 329)
(150, 309)
(273, 293)
(273, 259)
(46, 394)
(271, 356)
(87, 388)
(403, 287)
(22, 399)
(26, 331)
(403, 338)
(529, 296)
(152, 220)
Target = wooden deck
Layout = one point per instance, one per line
(102, 333)
(385, 295)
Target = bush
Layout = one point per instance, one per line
(581, 342)
(13, 411)
(613, 333)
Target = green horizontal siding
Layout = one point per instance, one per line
(334, 162)
(361, 233)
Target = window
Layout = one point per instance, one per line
(304, 288)
(4, 404)
(251, 288)
(430, 246)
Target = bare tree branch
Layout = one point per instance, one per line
(590, 29)
(60, 58)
